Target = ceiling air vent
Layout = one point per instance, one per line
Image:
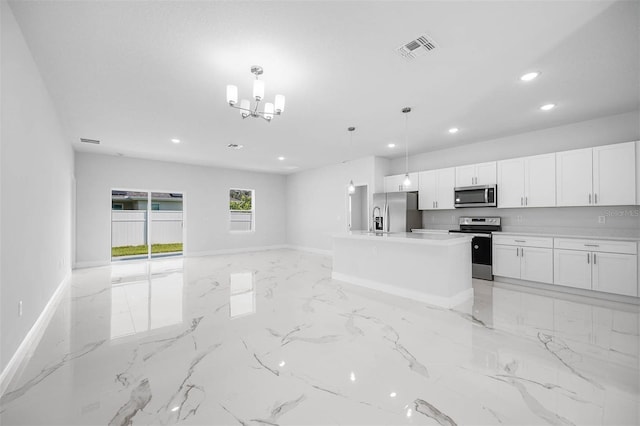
(92, 141)
(235, 146)
(417, 47)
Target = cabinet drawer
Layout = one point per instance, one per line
(607, 246)
(523, 241)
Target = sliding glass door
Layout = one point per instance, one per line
(146, 224)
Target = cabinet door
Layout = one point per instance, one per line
(638, 173)
(506, 261)
(465, 175)
(445, 183)
(511, 183)
(427, 190)
(573, 178)
(393, 183)
(615, 273)
(540, 180)
(614, 174)
(415, 182)
(572, 268)
(536, 264)
(486, 173)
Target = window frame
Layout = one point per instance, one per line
(253, 210)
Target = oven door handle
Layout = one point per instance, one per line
(480, 235)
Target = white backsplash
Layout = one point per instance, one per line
(619, 221)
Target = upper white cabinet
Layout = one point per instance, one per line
(638, 172)
(603, 175)
(614, 172)
(394, 183)
(476, 174)
(527, 182)
(436, 189)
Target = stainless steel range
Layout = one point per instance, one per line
(481, 228)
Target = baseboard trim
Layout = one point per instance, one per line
(569, 293)
(32, 338)
(91, 264)
(311, 250)
(235, 251)
(443, 302)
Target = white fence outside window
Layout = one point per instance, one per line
(129, 227)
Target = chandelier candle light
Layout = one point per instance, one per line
(258, 94)
(406, 182)
(352, 187)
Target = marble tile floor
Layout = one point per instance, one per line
(267, 338)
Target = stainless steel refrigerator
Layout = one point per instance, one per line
(396, 212)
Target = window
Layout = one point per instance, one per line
(241, 209)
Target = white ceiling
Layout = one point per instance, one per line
(136, 74)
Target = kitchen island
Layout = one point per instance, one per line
(431, 268)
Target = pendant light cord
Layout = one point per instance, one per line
(406, 142)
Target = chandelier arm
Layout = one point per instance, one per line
(237, 107)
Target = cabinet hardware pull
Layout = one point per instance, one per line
(589, 198)
(436, 204)
(595, 201)
(588, 258)
(592, 245)
(517, 252)
(520, 241)
(521, 201)
(526, 201)
(521, 252)
(594, 258)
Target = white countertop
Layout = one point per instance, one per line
(408, 237)
(551, 235)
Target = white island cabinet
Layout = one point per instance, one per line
(431, 268)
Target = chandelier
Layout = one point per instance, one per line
(246, 110)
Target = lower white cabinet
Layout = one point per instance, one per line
(524, 258)
(586, 264)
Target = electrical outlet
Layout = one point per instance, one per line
(602, 219)
(20, 308)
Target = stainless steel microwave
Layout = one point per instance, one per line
(476, 196)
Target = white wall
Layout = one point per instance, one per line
(584, 134)
(317, 201)
(206, 203)
(36, 191)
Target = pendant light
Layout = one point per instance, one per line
(352, 187)
(406, 182)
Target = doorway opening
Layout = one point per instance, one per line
(146, 224)
(359, 209)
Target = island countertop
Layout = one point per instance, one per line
(408, 237)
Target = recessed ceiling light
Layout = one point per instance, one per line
(530, 76)
(235, 146)
(547, 107)
(453, 130)
(391, 145)
(281, 158)
(175, 140)
(392, 394)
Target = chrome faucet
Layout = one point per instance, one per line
(373, 222)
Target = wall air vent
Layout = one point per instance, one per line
(417, 47)
(235, 146)
(91, 141)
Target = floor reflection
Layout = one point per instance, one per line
(242, 297)
(145, 296)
